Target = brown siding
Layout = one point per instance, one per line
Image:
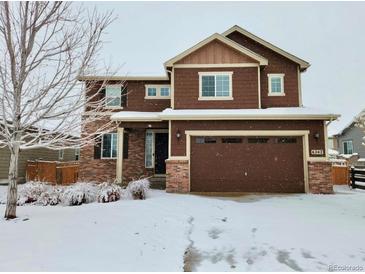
(277, 64)
(178, 147)
(216, 52)
(244, 89)
(136, 96)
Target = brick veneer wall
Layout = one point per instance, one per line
(134, 166)
(320, 177)
(95, 170)
(177, 176)
(104, 170)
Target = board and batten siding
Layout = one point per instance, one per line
(31, 154)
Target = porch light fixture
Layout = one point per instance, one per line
(316, 135)
(178, 134)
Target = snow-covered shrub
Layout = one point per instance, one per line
(138, 189)
(30, 192)
(109, 192)
(44, 194)
(51, 197)
(72, 197)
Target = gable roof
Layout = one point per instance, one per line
(303, 64)
(351, 124)
(262, 61)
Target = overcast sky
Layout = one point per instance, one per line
(329, 35)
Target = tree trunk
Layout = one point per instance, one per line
(10, 211)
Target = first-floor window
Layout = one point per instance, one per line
(347, 147)
(109, 145)
(149, 161)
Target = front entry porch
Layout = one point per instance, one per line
(142, 152)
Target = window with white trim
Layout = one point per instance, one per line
(276, 84)
(149, 155)
(348, 147)
(158, 92)
(113, 96)
(215, 85)
(109, 146)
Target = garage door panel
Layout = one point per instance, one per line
(251, 167)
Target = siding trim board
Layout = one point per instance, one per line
(228, 65)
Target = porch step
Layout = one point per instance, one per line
(158, 182)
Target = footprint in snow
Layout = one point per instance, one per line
(214, 233)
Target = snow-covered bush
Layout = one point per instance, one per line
(50, 197)
(138, 189)
(109, 192)
(44, 194)
(79, 193)
(30, 192)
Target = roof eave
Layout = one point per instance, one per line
(302, 63)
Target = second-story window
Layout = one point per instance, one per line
(113, 96)
(215, 85)
(116, 96)
(276, 84)
(157, 92)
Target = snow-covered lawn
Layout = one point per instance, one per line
(251, 233)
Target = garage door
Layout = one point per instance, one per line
(247, 164)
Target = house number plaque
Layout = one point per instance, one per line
(317, 152)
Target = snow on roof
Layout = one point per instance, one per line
(247, 114)
(333, 152)
(136, 116)
(225, 114)
(348, 156)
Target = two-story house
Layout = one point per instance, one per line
(227, 117)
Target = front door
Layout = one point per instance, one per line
(161, 152)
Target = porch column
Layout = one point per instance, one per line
(119, 166)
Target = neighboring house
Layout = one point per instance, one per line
(40, 153)
(227, 117)
(45, 154)
(350, 140)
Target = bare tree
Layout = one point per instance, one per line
(360, 122)
(44, 47)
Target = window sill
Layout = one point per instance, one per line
(215, 98)
(108, 158)
(276, 94)
(157, 97)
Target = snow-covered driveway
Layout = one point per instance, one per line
(171, 232)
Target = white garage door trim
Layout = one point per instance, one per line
(303, 133)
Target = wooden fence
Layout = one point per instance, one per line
(357, 176)
(340, 175)
(61, 173)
